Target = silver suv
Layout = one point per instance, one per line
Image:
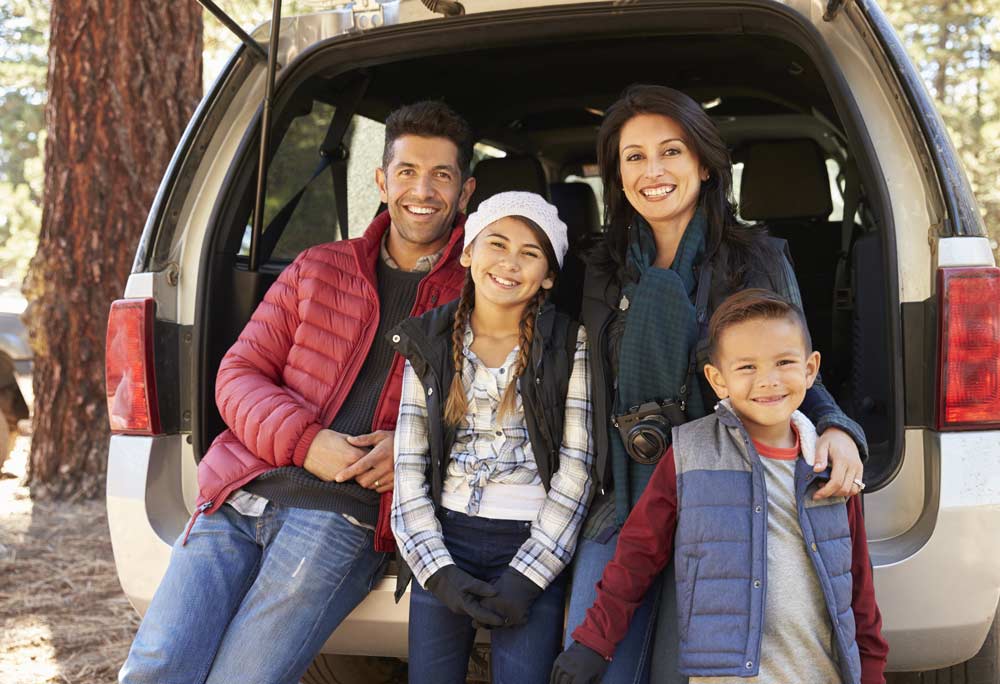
(838, 149)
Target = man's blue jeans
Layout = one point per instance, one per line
(252, 599)
(441, 641)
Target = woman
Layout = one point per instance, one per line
(674, 250)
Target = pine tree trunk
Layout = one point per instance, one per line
(124, 77)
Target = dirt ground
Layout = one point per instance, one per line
(63, 616)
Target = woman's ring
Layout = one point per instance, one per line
(377, 485)
(861, 485)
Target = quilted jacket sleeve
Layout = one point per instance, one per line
(273, 422)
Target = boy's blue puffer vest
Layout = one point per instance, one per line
(720, 550)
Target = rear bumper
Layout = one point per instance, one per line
(147, 511)
(939, 599)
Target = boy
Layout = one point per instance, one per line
(772, 586)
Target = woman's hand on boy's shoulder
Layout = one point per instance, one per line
(838, 449)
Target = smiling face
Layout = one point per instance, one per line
(661, 174)
(765, 368)
(423, 188)
(507, 263)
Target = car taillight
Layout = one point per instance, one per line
(128, 364)
(969, 351)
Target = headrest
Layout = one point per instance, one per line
(577, 206)
(507, 173)
(784, 179)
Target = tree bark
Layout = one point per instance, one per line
(124, 77)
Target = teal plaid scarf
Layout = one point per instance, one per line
(660, 329)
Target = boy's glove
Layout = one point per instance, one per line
(462, 592)
(578, 664)
(515, 594)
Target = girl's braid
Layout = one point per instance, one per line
(457, 404)
(508, 401)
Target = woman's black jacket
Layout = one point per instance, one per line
(601, 296)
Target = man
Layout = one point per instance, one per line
(288, 536)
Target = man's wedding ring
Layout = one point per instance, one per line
(377, 485)
(861, 485)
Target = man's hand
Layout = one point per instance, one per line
(374, 469)
(837, 447)
(330, 453)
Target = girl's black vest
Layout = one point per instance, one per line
(426, 343)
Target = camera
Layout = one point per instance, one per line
(645, 429)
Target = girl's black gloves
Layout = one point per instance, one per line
(578, 664)
(514, 595)
(462, 593)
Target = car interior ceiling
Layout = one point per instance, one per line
(542, 105)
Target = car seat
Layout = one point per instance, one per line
(785, 186)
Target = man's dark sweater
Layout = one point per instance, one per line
(292, 486)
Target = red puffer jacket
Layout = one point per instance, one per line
(287, 375)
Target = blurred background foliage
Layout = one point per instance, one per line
(954, 43)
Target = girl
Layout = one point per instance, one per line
(493, 452)
(673, 251)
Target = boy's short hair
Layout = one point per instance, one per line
(753, 304)
(430, 119)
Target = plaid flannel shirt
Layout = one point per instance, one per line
(481, 456)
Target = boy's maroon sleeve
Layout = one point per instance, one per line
(868, 620)
(644, 547)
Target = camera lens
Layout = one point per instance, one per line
(648, 440)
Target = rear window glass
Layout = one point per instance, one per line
(314, 219)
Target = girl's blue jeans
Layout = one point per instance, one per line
(441, 641)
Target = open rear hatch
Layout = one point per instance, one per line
(534, 84)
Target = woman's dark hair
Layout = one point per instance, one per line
(715, 198)
(457, 404)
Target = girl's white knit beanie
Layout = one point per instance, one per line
(519, 203)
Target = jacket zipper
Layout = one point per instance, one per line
(197, 512)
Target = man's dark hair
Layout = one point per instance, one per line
(750, 305)
(430, 119)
